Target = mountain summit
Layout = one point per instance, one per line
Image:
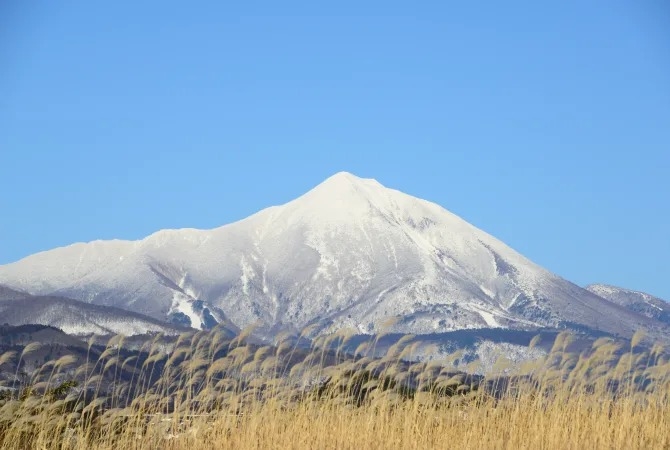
(349, 253)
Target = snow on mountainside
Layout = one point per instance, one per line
(648, 305)
(349, 253)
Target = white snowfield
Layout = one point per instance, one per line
(349, 253)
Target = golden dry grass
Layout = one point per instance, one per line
(208, 392)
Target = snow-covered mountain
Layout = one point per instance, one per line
(349, 253)
(640, 302)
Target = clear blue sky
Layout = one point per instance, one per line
(546, 124)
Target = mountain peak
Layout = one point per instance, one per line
(342, 195)
(344, 175)
(346, 180)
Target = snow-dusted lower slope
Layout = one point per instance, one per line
(10, 294)
(640, 302)
(349, 253)
(78, 318)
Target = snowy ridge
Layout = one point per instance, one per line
(640, 302)
(349, 253)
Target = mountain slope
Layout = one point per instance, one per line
(645, 304)
(349, 253)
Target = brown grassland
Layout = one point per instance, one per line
(212, 391)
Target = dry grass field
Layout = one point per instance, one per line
(208, 391)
